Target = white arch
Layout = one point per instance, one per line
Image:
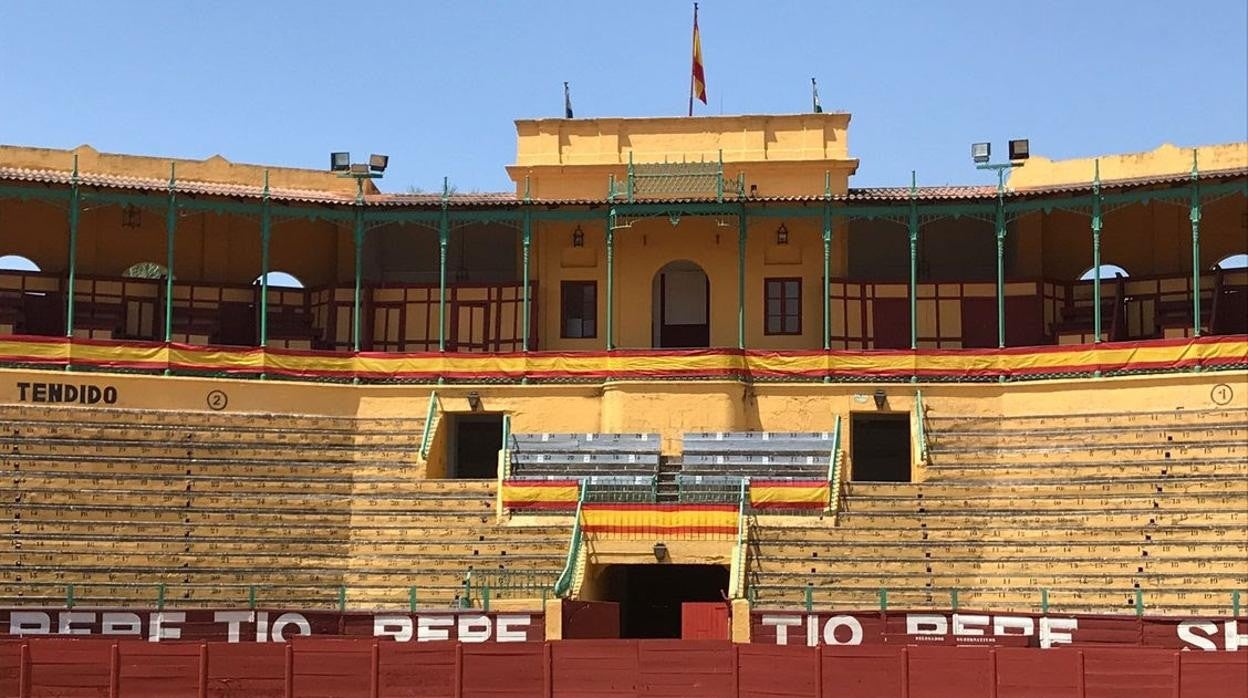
(280, 279)
(1234, 261)
(16, 262)
(1108, 271)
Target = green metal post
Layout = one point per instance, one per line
(485, 598)
(251, 596)
(265, 237)
(1234, 604)
(913, 229)
(444, 238)
(1096, 252)
(810, 597)
(359, 264)
(1001, 258)
(171, 227)
(1139, 602)
(827, 261)
(69, 596)
(342, 598)
(1044, 600)
(953, 599)
(527, 240)
(742, 232)
(74, 197)
(883, 599)
(160, 596)
(1195, 218)
(611, 276)
(411, 599)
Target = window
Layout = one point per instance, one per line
(784, 306)
(579, 309)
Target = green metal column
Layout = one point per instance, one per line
(827, 260)
(359, 264)
(1195, 218)
(527, 241)
(444, 238)
(741, 238)
(1096, 252)
(610, 279)
(265, 237)
(74, 199)
(171, 227)
(913, 229)
(1001, 258)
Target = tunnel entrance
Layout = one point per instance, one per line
(651, 596)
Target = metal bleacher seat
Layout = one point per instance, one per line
(582, 455)
(771, 455)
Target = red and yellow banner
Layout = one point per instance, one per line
(661, 521)
(802, 495)
(1227, 351)
(548, 495)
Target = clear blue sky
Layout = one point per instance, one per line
(437, 84)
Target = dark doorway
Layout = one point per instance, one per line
(650, 596)
(475, 441)
(681, 306)
(881, 447)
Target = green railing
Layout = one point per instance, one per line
(564, 583)
(504, 455)
(427, 438)
(835, 461)
(919, 425)
(709, 489)
(483, 586)
(642, 491)
(740, 552)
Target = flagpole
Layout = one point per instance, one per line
(695, 34)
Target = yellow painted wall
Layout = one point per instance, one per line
(1165, 160)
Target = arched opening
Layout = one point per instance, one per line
(16, 262)
(280, 279)
(1107, 271)
(1234, 261)
(146, 270)
(680, 307)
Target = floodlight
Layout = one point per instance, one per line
(339, 162)
(377, 163)
(981, 152)
(1020, 149)
(358, 168)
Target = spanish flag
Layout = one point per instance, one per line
(697, 82)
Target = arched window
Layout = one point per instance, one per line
(280, 279)
(1235, 261)
(146, 270)
(16, 262)
(1107, 271)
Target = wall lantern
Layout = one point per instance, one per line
(578, 237)
(474, 401)
(782, 235)
(131, 217)
(660, 552)
(753, 190)
(880, 398)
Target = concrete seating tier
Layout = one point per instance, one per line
(576, 455)
(117, 502)
(770, 455)
(1091, 508)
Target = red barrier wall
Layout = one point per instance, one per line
(365, 668)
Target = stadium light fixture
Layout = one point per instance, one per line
(981, 152)
(358, 168)
(339, 162)
(1020, 149)
(378, 163)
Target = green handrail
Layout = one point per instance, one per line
(920, 427)
(834, 468)
(739, 554)
(427, 438)
(506, 460)
(564, 583)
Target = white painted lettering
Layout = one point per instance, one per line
(29, 623)
(812, 630)
(514, 628)
(234, 621)
(926, 624)
(397, 627)
(1234, 639)
(1197, 633)
(120, 624)
(295, 619)
(67, 620)
(159, 632)
(1057, 631)
(474, 628)
(1021, 626)
(836, 623)
(433, 628)
(968, 624)
(262, 626)
(782, 625)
